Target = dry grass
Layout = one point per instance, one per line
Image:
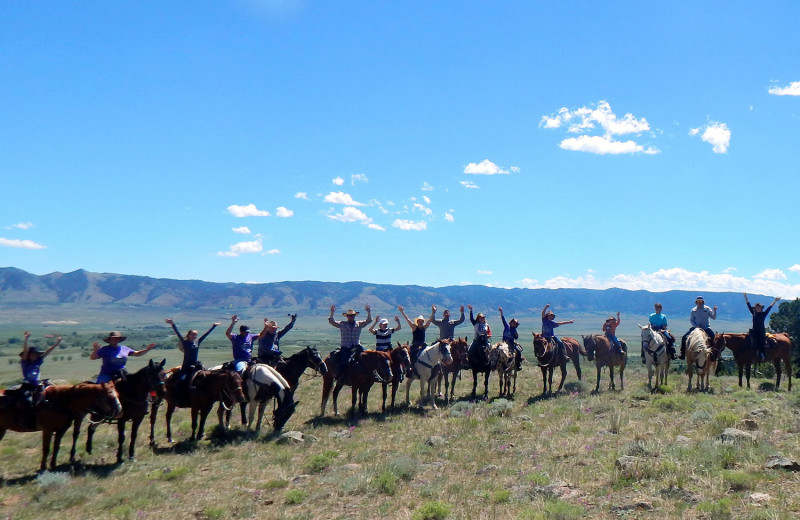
(529, 458)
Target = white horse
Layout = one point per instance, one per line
(503, 359)
(698, 359)
(655, 351)
(261, 383)
(425, 368)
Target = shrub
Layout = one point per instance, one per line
(717, 510)
(52, 479)
(500, 408)
(295, 496)
(724, 420)
(404, 468)
(318, 463)
(432, 511)
(387, 482)
(501, 496)
(674, 403)
(275, 484)
(739, 480)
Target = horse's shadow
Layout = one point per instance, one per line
(181, 447)
(101, 470)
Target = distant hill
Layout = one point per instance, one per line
(19, 288)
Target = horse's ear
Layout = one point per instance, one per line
(163, 362)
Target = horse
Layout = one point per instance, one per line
(426, 368)
(458, 351)
(549, 357)
(745, 354)
(655, 350)
(61, 406)
(600, 350)
(479, 362)
(359, 375)
(574, 352)
(504, 361)
(699, 359)
(400, 362)
(134, 394)
(207, 387)
(262, 382)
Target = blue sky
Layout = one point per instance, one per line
(512, 144)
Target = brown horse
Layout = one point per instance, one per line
(458, 350)
(61, 407)
(401, 361)
(207, 387)
(359, 375)
(745, 355)
(549, 357)
(600, 350)
(574, 352)
(134, 394)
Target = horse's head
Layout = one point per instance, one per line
(590, 346)
(156, 377)
(315, 361)
(539, 345)
(383, 365)
(444, 352)
(107, 404)
(282, 413)
(401, 356)
(720, 343)
(458, 350)
(232, 391)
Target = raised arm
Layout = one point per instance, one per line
(403, 312)
(214, 326)
(374, 323)
(461, 319)
(502, 317)
(229, 330)
(52, 347)
(397, 320)
(368, 319)
(544, 311)
(95, 348)
(471, 318)
(25, 347)
(333, 322)
(144, 351)
(171, 322)
(288, 327)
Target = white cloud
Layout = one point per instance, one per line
(792, 90)
(274, 252)
(242, 248)
(340, 197)
(351, 214)
(301, 195)
(449, 217)
(529, 283)
(470, 184)
(423, 209)
(604, 145)
(484, 271)
(426, 187)
(716, 134)
(246, 211)
(770, 274)
(21, 225)
(60, 322)
(795, 268)
(20, 244)
(485, 167)
(515, 169)
(338, 181)
(243, 230)
(358, 177)
(410, 225)
(426, 199)
(376, 227)
(283, 212)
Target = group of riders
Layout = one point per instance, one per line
(114, 354)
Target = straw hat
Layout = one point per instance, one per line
(350, 312)
(115, 334)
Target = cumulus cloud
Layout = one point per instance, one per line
(795, 268)
(301, 195)
(515, 169)
(376, 227)
(351, 214)
(603, 145)
(283, 212)
(793, 89)
(337, 181)
(410, 225)
(485, 167)
(274, 252)
(470, 184)
(358, 177)
(770, 274)
(21, 225)
(246, 211)
(449, 217)
(243, 230)
(242, 248)
(426, 199)
(340, 197)
(424, 209)
(426, 187)
(716, 134)
(20, 244)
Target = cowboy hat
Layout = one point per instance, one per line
(115, 334)
(32, 350)
(480, 315)
(350, 312)
(420, 318)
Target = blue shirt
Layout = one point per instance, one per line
(242, 346)
(114, 360)
(658, 321)
(510, 336)
(547, 328)
(31, 369)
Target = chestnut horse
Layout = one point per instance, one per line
(134, 394)
(699, 358)
(61, 406)
(549, 357)
(574, 351)
(359, 375)
(207, 387)
(458, 351)
(604, 354)
(745, 355)
(401, 361)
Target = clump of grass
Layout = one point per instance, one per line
(295, 497)
(387, 482)
(462, 409)
(701, 416)
(169, 474)
(724, 420)
(501, 496)
(674, 403)
(432, 511)
(52, 480)
(123, 512)
(358, 484)
(721, 509)
(538, 479)
(740, 480)
(500, 408)
(639, 448)
(617, 420)
(318, 463)
(663, 389)
(554, 510)
(404, 468)
(213, 513)
(275, 484)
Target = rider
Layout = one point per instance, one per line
(610, 330)
(418, 328)
(482, 330)
(446, 325)
(658, 322)
(548, 326)
(190, 346)
(241, 344)
(758, 334)
(699, 318)
(383, 334)
(510, 337)
(114, 356)
(269, 351)
(350, 331)
(31, 359)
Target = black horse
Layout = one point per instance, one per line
(478, 355)
(134, 394)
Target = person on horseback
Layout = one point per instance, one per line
(658, 322)
(446, 325)
(114, 356)
(418, 328)
(269, 350)
(699, 318)
(241, 344)
(482, 330)
(383, 334)
(30, 361)
(350, 342)
(758, 334)
(610, 330)
(190, 346)
(549, 325)
(510, 337)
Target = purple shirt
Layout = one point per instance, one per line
(242, 346)
(114, 360)
(31, 369)
(547, 328)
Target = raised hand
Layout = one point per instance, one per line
(170, 321)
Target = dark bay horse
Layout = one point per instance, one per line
(479, 362)
(61, 407)
(207, 387)
(549, 357)
(359, 375)
(604, 354)
(458, 350)
(574, 352)
(400, 362)
(745, 355)
(134, 394)
(262, 382)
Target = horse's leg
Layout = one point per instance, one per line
(787, 364)
(544, 380)
(168, 416)
(47, 435)
(474, 382)
(153, 413)
(135, 423)
(597, 386)
(365, 399)
(408, 391)
(747, 368)
(395, 385)
(576, 360)
(336, 390)
(120, 439)
(777, 364)
(740, 366)
(563, 376)
(650, 374)
(486, 384)
(384, 392)
(262, 406)
(327, 384)
(354, 399)
(195, 413)
(76, 430)
(89, 435)
(203, 415)
(622, 377)
(242, 410)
